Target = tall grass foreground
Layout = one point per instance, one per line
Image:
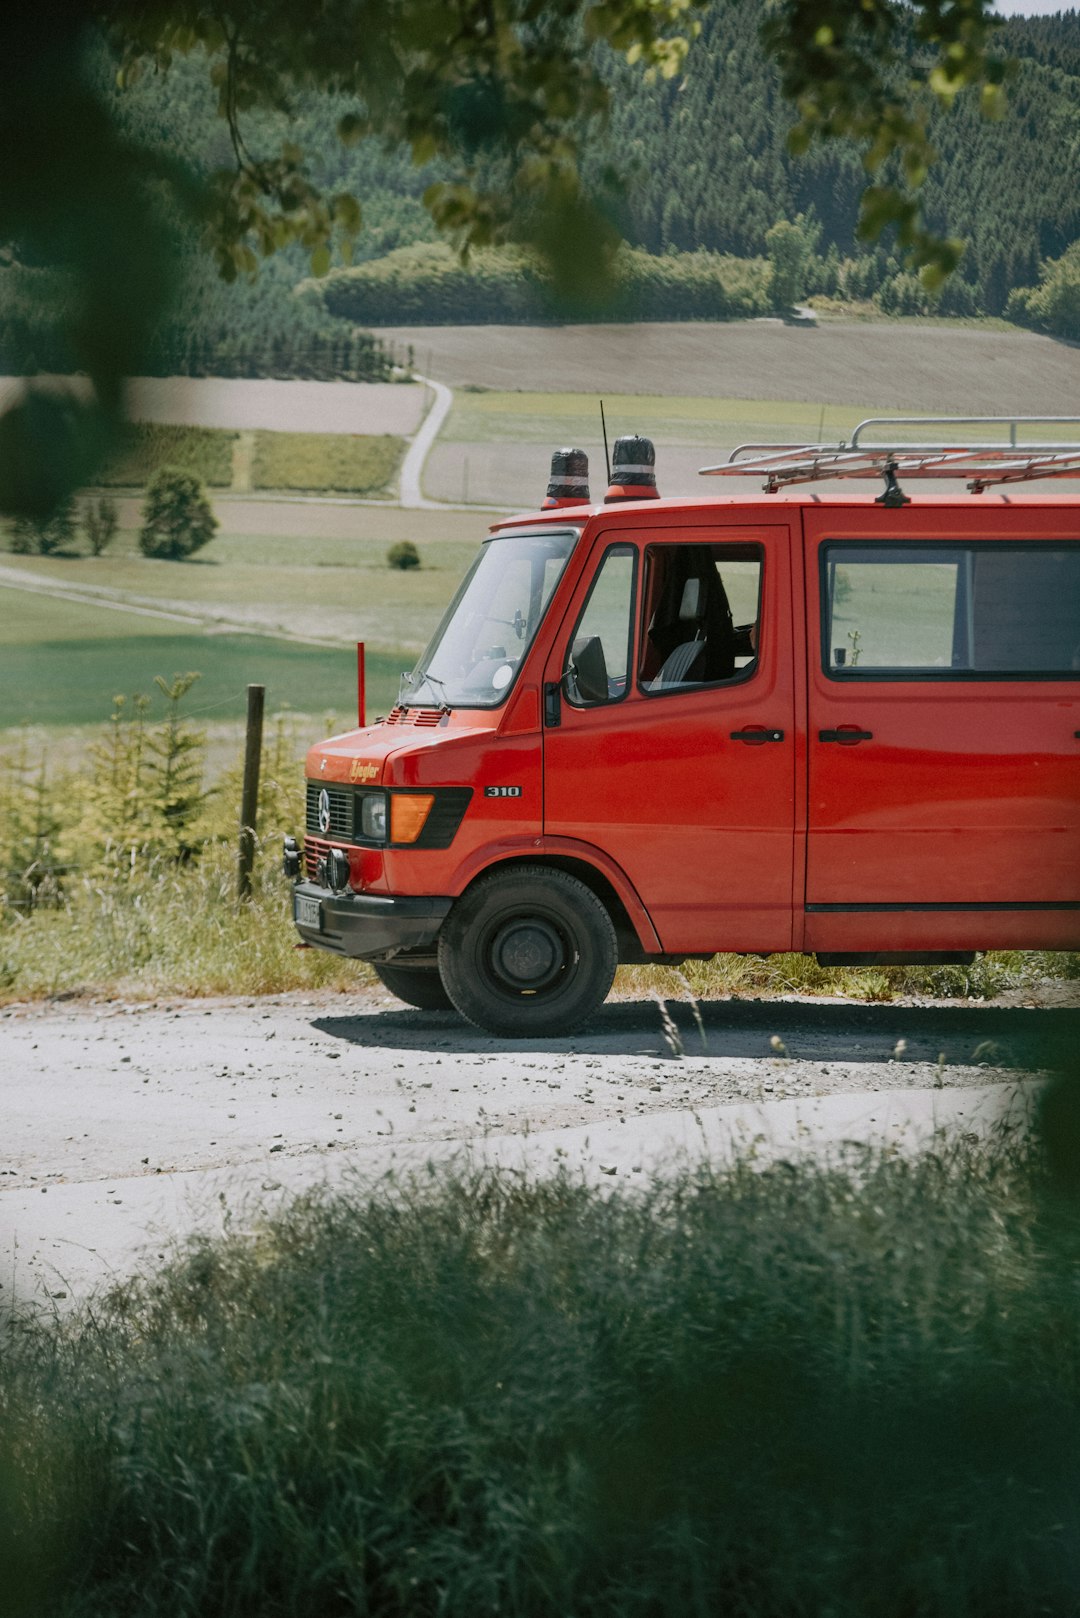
(119, 876)
(756, 1393)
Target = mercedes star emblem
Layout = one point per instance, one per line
(324, 811)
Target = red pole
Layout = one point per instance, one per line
(361, 686)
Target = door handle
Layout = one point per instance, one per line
(757, 735)
(552, 705)
(847, 735)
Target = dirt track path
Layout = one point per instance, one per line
(133, 1123)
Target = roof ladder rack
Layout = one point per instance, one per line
(870, 454)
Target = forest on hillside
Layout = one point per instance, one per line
(706, 175)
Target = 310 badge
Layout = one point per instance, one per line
(502, 792)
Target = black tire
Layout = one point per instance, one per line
(528, 952)
(419, 986)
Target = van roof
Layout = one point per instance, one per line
(786, 500)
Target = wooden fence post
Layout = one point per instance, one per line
(249, 801)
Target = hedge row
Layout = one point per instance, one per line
(427, 285)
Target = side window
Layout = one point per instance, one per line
(924, 611)
(701, 615)
(598, 658)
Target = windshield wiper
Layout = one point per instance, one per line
(436, 684)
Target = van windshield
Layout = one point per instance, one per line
(479, 646)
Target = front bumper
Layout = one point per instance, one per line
(367, 926)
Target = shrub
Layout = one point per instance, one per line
(177, 519)
(403, 555)
(903, 294)
(22, 540)
(100, 522)
(41, 536)
(1054, 305)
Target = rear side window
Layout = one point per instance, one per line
(968, 612)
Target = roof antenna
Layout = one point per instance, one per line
(607, 457)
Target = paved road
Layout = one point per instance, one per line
(129, 1124)
(410, 494)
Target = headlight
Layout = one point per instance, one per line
(373, 816)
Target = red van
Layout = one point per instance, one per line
(649, 729)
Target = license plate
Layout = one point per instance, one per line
(307, 911)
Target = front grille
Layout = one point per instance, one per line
(440, 828)
(341, 810)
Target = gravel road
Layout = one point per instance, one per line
(128, 1125)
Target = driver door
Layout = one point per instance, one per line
(686, 783)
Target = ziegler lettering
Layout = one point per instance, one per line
(361, 770)
(502, 792)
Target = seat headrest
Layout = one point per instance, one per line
(690, 605)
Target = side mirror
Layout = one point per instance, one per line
(587, 676)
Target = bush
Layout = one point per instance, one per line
(903, 294)
(1054, 305)
(100, 522)
(403, 555)
(177, 519)
(41, 536)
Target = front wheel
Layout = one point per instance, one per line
(419, 986)
(528, 952)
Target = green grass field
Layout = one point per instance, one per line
(63, 662)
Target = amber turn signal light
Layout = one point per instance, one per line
(408, 814)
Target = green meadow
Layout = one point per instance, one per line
(281, 609)
(63, 663)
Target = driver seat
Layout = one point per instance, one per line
(676, 667)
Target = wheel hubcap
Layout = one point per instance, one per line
(528, 954)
